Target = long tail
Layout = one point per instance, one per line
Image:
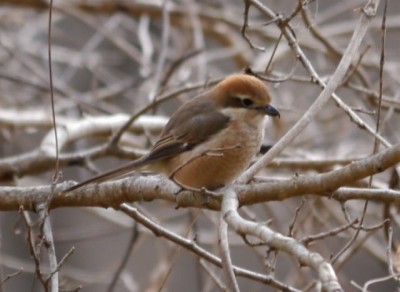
(117, 172)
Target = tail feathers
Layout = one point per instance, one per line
(114, 173)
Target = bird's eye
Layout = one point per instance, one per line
(247, 102)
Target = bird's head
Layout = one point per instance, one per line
(244, 96)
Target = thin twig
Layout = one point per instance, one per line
(163, 52)
(10, 276)
(296, 214)
(125, 258)
(33, 248)
(57, 165)
(309, 238)
(245, 26)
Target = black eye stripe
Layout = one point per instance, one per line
(237, 101)
(247, 102)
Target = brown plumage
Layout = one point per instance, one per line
(210, 139)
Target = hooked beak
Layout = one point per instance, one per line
(271, 111)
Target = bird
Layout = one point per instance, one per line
(209, 140)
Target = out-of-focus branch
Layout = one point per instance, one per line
(195, 248)
(41, 159)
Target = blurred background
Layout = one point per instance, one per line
(112, 58)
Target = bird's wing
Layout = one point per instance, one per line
(191, 125)
(186, 129)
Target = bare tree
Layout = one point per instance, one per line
(317, 211)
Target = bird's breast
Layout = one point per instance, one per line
(221, 159)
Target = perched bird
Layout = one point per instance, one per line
(210, 140)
